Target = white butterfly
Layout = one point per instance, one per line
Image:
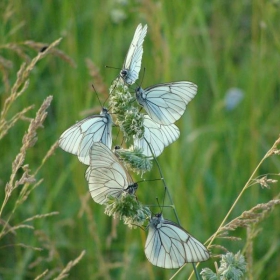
(170, 246)
(106, 175)
(79, 138)
(166, 103)
(157, 135)
(132, 63)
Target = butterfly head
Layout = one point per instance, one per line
(104, 111)
(123, 73)
(159, 216)
(132, 188)
(108, 119)
(140, 95)
(157, 220)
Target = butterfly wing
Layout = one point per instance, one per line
(79, 138)
(106, 175)
(132, 63)
(170, 246)
(166, 103)
(158, 136)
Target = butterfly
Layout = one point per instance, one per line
(170, 246)
(106, 175)
(166, 103)
(157, 135)
(132, 63)
(79, 138)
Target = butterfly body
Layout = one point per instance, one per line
(124, 73)
(106, 175)
(166, 103)
(170, 246)
(132, 64)
(131, 189)
(141, 96)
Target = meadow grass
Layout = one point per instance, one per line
(50, 227)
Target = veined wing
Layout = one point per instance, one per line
(106, 175)
(157, 135)
(166, 103)
(170, 246)
(79, 138)
(132, 63)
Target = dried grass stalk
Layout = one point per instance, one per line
(255, 215)
(64, 273)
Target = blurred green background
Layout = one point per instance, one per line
(230, 49)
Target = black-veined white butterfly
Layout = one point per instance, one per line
(157, 135)
(106, 175)
(170, 246)
(132, 63)
(79, 138)
(166, 103)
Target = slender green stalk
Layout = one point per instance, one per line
(195, 271)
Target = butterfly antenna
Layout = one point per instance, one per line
(117, 68)
(97, 95)
(106, 100)
(139, 227)
(143, 76)
(163, 200)
(118, 136)
(109, 108)
(139, 86)
(149, 180)
(160, 207)
(140, 109)
(122, 141)
(111, 67)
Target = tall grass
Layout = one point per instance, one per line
(217, 45)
